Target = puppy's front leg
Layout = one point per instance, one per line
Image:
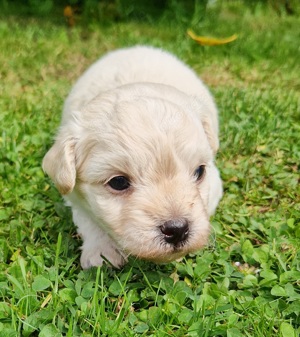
(97, 245)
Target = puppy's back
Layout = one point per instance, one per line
(136, 65)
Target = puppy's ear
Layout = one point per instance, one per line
(207, 110)
(211, 132)
(59, 163)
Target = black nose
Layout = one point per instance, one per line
(175, 231)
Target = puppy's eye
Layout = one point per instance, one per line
(119, 183)
(199, 173)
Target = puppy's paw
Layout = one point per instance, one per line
(96, 256)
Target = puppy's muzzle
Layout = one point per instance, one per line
(175, 231)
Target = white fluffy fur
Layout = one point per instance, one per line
(142, 113)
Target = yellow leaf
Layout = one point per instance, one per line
(210, 41)
(69, 15)
(68, 11)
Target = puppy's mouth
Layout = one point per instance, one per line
(170, 241)
(179, 248)
(169, 252)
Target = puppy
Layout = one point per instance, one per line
(134, 158)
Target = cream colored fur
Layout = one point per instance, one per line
(140, 113)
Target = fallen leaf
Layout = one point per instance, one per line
(68, 12)
(210, 41)
(69, 15)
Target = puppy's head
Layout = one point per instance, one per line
(140, 159)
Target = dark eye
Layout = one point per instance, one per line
(199, 173)
(119, 183)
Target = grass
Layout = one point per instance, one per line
(246, 283)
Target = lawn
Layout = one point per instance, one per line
(247, 281)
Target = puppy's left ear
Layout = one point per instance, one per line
(59, 163)
(208, 113)
(211, 130)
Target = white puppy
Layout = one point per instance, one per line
(134, 158)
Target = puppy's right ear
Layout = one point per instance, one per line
(59, 163)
